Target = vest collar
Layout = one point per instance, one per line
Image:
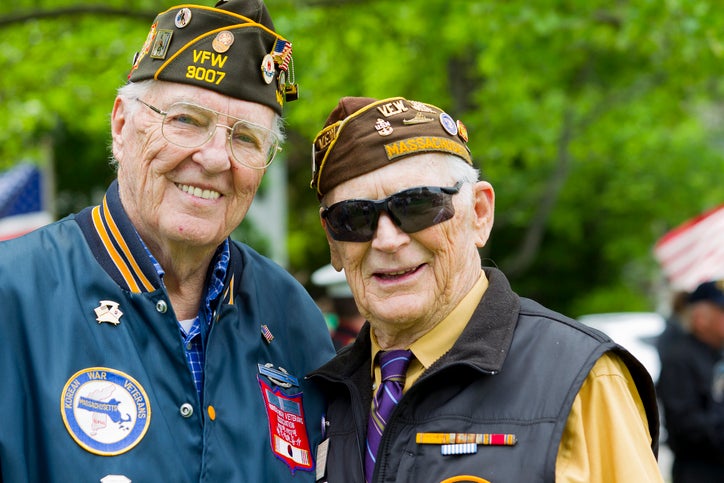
(484, 343)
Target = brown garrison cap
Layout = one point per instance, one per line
(363, 134)
(230, 48)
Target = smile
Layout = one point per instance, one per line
(198, 192)
(397, 274)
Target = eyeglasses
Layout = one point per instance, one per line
(412, 210)
(189, 126)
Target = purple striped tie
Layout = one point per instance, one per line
(393, 365)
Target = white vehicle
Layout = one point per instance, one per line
(636, 331)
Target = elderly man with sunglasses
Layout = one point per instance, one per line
(139, 341)
(455, 378)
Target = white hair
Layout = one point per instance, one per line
(461, 170)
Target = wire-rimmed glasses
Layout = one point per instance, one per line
(189, 125)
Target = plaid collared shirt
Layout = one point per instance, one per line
(195, 339)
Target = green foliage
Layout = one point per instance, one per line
(599, 123)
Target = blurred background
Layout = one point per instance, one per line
(599, 123)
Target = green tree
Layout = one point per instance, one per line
(599, 123)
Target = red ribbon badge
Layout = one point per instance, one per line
(287, 428)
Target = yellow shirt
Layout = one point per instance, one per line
(606, 438)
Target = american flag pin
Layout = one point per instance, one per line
(266, 333)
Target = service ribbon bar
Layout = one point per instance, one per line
(486, 439)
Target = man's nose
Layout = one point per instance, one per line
(388, 236)
(215, 154)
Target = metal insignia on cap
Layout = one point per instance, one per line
(462, 131)
(419, 118)
(267, 68)
(421, 106)
(391, 108)
(448, 124)
(282, 53)
(161, 43)
(384, 128)
(222, 42)
(183, 17)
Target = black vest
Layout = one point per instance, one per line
(516, 369)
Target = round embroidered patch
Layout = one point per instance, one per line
(105, 411)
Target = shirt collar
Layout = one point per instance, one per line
(431, 346)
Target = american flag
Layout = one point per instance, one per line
(266, 333)
(283, 53)
(693, 252)
(22, 201)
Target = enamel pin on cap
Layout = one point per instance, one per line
(267, 68)
(183, 17)
(222, 42)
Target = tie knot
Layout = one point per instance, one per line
(393, 364)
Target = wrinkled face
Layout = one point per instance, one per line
(191, 197)
(405, 283)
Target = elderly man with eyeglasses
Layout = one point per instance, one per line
(455, 378)
(139, 341)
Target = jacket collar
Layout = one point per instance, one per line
(484, 343)
(116, 245)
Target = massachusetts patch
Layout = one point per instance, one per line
(287, 428)
(105, 411)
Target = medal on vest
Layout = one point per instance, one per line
(465, 443)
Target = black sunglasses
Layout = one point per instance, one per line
(412, 210)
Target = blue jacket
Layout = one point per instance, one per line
(96, 382)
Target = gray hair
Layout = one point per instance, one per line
(461, 170)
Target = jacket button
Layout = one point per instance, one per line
(161, 306)
(186, 410)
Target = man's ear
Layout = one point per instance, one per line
(334, 256)
(118, 121)
(483, 211)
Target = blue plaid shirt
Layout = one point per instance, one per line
(194, 340)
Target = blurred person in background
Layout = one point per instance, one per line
(343, 318)
(140, 342)
(673, 329)
(455, 378)
(691, 387)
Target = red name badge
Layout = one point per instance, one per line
(287, 429)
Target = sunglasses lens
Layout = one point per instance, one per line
(353, 220)
(412, 210)
(420, 208)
